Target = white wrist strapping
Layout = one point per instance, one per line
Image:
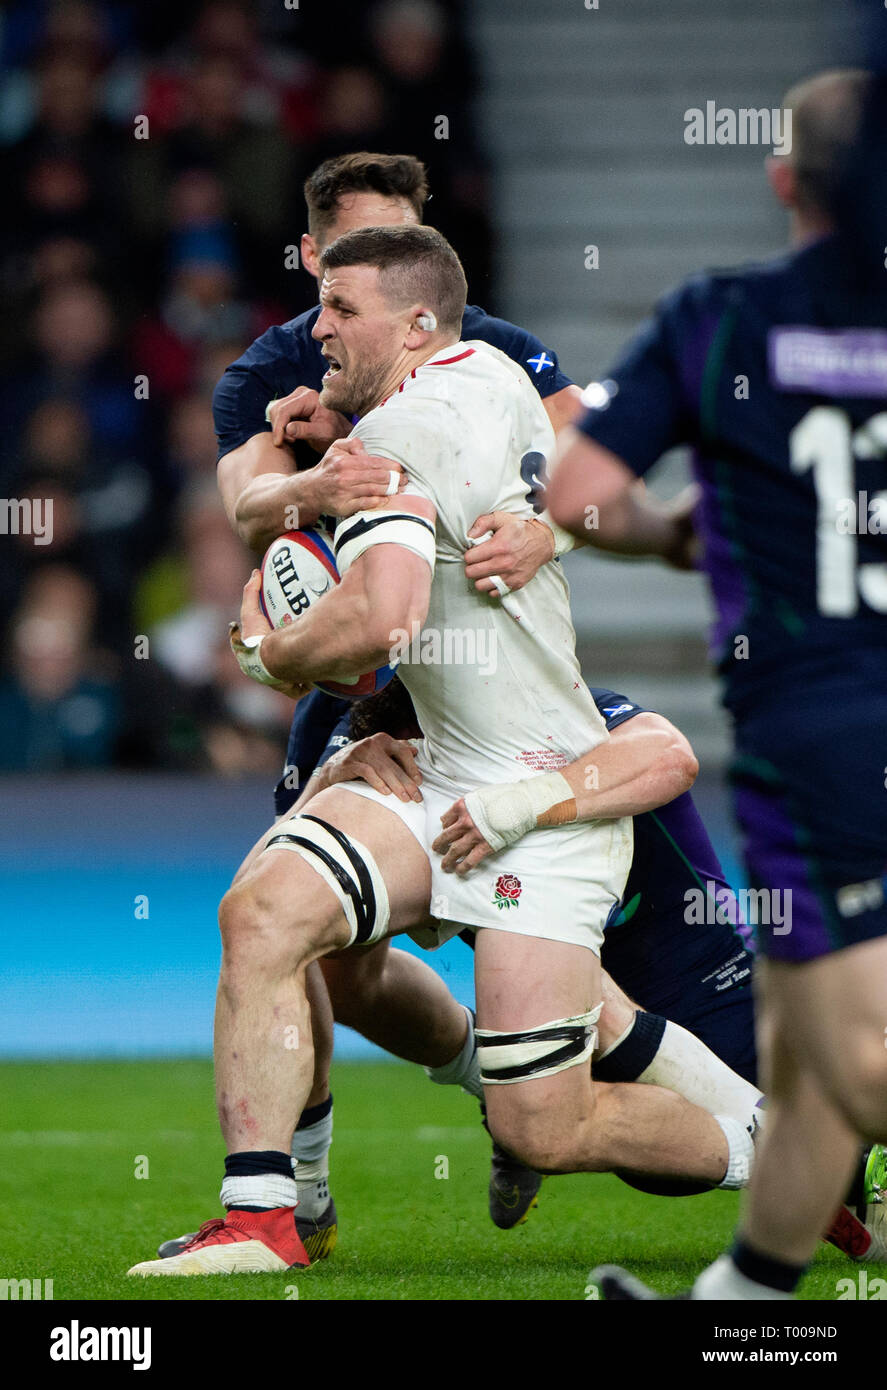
(249, 659)
(504, 814)
(563, 540)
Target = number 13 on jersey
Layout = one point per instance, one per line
(825, 441)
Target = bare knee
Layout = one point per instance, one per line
(861, 1092)
(541, 1136)
(527, 1142)
(258, 933)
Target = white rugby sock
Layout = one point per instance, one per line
(740, 1152)
(464, 1069)
(684, 1064)
(262, 1190)
(722, 1281)
(311, 1161)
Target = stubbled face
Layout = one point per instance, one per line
(362, 339)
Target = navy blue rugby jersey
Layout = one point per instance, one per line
(321, 726)
(776, 375)
(286, 356)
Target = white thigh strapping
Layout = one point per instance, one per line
(531, 1053)
(346, 865)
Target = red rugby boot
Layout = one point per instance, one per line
(243, 1242)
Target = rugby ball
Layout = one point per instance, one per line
(298, 569)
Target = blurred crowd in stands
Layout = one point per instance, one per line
(152, 160)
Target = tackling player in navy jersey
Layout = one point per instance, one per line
(777, 376)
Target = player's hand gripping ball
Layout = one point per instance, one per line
(298, 569)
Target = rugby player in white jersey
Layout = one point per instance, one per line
(458, 418)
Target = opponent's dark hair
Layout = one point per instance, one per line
(389, 712)
(391, 175)
(415, 264)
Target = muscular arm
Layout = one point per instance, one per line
(351, 630)
(264, 495)
(596, 496)
(645, 763)
(258, 483)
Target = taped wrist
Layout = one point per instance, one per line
(504, 814)
(563, 540)
(248, 651)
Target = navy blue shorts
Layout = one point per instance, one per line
(810, 797)
(727, 1026)
(711, 997)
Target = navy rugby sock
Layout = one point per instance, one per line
(631, 1057)
(765, 1269)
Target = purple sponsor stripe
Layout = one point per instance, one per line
(683, 823)
(829, 362)
(727, 905)
(775, 862)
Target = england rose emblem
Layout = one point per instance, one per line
(507, 891)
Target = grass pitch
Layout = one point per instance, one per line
(410, 1165)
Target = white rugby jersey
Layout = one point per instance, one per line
(496, 701)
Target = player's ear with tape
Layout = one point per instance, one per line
(428, 321)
